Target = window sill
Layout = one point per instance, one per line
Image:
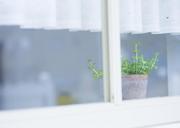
(129, 114)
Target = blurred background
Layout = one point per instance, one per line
(40, 68)
(48, 67)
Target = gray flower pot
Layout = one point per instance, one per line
(134, 86)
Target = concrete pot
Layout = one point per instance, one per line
(134, 86)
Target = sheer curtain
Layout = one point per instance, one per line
(137, 16)
(155, 16)
(52, 14)
(10, 12)
(37, 14)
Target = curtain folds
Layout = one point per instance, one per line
(74, 15)
(9, 13)
(137, 16)
(38, 14)
(91, 15)
(68, 14)
(154, 16)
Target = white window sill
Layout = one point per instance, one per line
(130, 114)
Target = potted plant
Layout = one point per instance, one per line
(135, 72)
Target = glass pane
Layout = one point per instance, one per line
(149, 48)
(48, 67)
(50, 58)
(173, 50)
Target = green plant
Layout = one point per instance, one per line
(97, 74)
(136, 65)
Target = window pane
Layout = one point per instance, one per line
(173, 47)
(51, 54)
(48, 67)
(149, 44)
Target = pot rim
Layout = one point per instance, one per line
(135, 76)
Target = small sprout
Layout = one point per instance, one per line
(97, 74)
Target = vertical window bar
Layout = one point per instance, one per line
(105, 51)
(111, 37)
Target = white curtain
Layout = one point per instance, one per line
(68, 14)
(38, 14)
(131, 17)
(170, 16)
(9, 13)
(137, 16)
(52, 14)
(155, 16)
(150, 16)
(91, 15)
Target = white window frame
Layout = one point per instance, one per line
(114, 113)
